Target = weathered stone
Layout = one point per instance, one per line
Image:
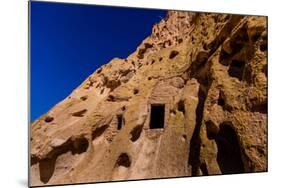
(205, 78)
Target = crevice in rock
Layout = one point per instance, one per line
(79, 113)
(101, 92)
(199, 70)
(221, 101)
(99, 131)
(136, 132)
(204, 170)
(120, 121)
(195, 142)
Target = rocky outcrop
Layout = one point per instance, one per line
(191, 100)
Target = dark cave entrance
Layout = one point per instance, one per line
(229, 155)
(236, 69)
(123, 160)
(157, 116)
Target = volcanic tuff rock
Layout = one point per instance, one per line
(191, 100)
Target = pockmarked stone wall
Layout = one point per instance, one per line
(208, 72)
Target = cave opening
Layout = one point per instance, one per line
(123, 160)
(236, 69)
(157, 116)
(229, 155)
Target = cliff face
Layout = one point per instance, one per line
(191, 100)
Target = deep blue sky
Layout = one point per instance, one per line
(70, 41)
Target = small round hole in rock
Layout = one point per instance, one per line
(83, 98)
(136, 91)
(180, 41)
(49, 119)
(173, 54)
(160, 59)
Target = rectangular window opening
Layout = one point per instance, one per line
(157, 116)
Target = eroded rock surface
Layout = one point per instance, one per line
(191, 100)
